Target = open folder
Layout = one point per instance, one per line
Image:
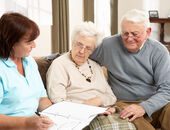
(71, 116)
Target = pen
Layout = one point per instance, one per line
(37, 113)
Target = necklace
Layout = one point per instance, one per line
(88, 78)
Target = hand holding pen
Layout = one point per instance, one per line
(38, 122)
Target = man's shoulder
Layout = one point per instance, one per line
(156, 45)
(112, 41)
(113, 37)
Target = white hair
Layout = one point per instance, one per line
(87, 29)
(137, 16)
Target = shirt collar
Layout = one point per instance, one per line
(10, 63)
(25, 60)
(142, 45)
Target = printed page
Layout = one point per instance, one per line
(71, 116)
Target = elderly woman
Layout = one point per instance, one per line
(73, 77)
(21, 88)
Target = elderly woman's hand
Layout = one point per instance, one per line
(96, 101)
(110, 110)
(38, 123)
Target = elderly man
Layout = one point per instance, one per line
(138, 72)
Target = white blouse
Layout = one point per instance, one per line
(65, 82)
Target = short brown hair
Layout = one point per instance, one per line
(13, 27)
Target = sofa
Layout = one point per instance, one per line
(43, 65)
(45, 62)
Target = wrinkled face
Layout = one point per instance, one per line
(134, 35)
(23, 48)
(82, 47)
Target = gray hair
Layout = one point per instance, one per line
(137, 16)
(87, 29)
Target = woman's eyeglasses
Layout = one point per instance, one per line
(80, 46)
(131, 34)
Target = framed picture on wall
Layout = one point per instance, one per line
(153, 14)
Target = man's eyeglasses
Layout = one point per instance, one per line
(80, 46)
(131, 34)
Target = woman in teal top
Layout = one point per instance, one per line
(21, 89)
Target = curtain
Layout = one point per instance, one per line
(60, 27)
(103, 16)
(114, 16)
(89, 10)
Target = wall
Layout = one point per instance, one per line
(161, 5)
(76, 14)
(164, 12)
(2, 7)
(124, 6)
(43, 42)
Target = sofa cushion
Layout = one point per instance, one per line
(43, 65)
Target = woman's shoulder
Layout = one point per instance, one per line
(5, 64)
(2, 66)
(62, 59)
(1, 61)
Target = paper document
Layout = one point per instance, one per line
(71, 116)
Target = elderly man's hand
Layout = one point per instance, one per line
(132, 111)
